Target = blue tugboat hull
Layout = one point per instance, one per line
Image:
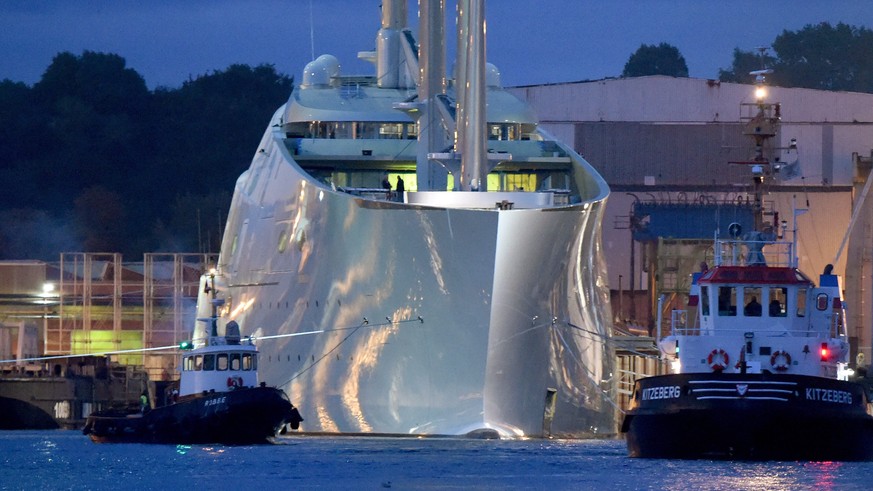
(751, 416)
(243, 416)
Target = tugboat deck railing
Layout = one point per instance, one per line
(679, 326)
(755, 253)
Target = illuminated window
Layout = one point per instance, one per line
(391, 130)
(503, 131)
(520, 182)
(410, 181)
(778, 306)
(283, 236)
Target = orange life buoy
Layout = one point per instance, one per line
(718, 359)
(780, 365)
(234, 382)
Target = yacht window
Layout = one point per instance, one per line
(296, 130)
(198, 363)
(411, 131)
(221, 361)
(752, 301)
(342, 130)
(801, 303)
(778, 306)
(505, 131)
(391, 130)
(727, 301)
(234, 361)
(208, 362)
(704, 299)
(367, 131)
(282, 241)
(246, 361)
(520, 182)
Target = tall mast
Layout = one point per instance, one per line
(432, 83)
(388, 44)
(470, 87)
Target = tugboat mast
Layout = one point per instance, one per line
(762, 126)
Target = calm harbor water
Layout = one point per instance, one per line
(68, 460)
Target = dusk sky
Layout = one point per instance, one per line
(530, 41)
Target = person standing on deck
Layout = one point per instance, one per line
(400, 188)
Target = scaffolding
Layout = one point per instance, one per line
(104, 305)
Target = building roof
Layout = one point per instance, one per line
(659, 98)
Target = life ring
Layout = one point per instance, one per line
(234, 382)
(782, 365)
(718, 360)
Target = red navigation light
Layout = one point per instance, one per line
(824, 352)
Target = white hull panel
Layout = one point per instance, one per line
(513, 303)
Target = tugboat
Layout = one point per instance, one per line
(219, 400)
(763, 373)
(752, 382)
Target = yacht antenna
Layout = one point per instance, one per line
(311, 33)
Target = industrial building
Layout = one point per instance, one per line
(676, 153)
(94, 303)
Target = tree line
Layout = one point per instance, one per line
(93, 161)
(821, 56)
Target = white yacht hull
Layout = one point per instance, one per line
(513, 307)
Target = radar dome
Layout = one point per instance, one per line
(320, 71)
(492, 76)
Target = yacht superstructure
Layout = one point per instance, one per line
(471, 297)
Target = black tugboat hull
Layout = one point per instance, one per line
(753, 416)
(244, 416)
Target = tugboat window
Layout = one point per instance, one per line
(208, 362)
(751, 300)
(778, 306)
(247, 362)
(704, 299)
(801, 303)
(198, 363)
(727, 301)
(221, 361)
(821, 301)
(234, 361)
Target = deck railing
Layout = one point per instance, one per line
(755, 252)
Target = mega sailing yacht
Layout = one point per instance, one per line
(414, 256)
